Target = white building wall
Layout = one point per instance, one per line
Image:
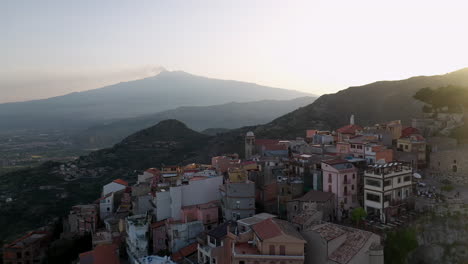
(112, 187)
(176, 201)
(106, 207)
(163, 205)
(170, 203)
(201, 191)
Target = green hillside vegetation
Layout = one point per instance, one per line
(227, 116)
(172, 142)
(452, 99)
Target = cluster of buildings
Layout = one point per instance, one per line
(286, 201)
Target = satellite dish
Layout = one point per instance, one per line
(417, 175)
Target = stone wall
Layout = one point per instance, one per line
(450, 165)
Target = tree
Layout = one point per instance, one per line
(358, 214)
(452, 97)
(398, 245)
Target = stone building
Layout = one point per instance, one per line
(450, 164)
(249, 145)
(309, 203)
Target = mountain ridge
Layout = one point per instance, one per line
(228, 116)
(167, 90)
(171, 142)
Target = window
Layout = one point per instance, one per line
(406, 146)
(399, 179)
(345, 178)
(387, 198)
(295, 207)
(371, 182)
(354, 176)
(282, 250)
(372, 197)
(241, 262)
(272, 250)
(352, 187)
(345, 200)
(454, 161)
(329, 178)
(399, 193)
(329, 188)
(345, 192)
(18, 255)
(387, 183)
(407, 178)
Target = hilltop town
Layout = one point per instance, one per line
(328, 197)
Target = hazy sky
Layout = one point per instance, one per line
(55, 47)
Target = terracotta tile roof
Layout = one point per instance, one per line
(288, 229)
(328, 231)
(101, 254)
(407, 131)
(349, 129)
(267, 229)
(315, 196)
(303, 217)
(185, 252)
(104, 197)
(120, 181)
(354, 242)
(273, 227)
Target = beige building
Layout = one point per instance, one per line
(271, 241)
(414, 144)
(334, 244)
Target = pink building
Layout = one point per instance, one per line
(158, 231)
(206, 213)
(340, 178)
